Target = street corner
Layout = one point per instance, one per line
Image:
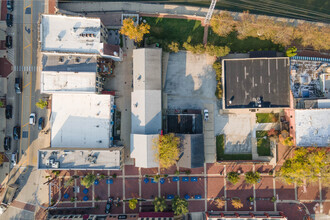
(309, 192)
(284, 191)
(196, 206)
(149, 190)
(215, 187)
(169, 187)
(192, 188)
(214, 168)
(132, 188)
(131, 170)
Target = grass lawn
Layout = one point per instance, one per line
(263, 146)
(220, 144)
(261, 134)
(267, 117)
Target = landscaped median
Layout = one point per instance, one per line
(220, 143)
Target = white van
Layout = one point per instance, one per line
(32, 119)
(13, 159)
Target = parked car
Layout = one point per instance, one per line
(13, 159)
(41, 123)
(16, 132)
(9, 41)
(9, 20)
(7, 143)
(32, 119)
(109, 205)
(10, 5)
(9, 111)
(206, 114)
(18, 85)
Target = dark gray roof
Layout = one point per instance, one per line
(249, 79)
(69, 63)
(192, 150)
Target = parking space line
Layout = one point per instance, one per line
(25, 124)
(27, 46)
(27, 85)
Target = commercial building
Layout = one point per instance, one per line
(256, 83)
(146, 109)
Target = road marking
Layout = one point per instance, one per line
(27, 46)
(25, 124)
(27, 85)
(27, 6)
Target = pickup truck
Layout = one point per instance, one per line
(8, 198)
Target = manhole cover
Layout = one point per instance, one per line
(25, 134)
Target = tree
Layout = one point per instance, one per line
(179, 206)
(167, 150)
(1, 104)
(252, 178)
(220, 202)
(288, 142)
(233, 177)
(132, 203)
(134, 32)
(306, 166)
(291, 52)
(237, 203)
(174, 47)
(159, 204)
(41, 104)
(222, 24)
(217, 50)
(88, 180)
(69, 182)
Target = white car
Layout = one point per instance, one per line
(13, 159)
(206, 114)
(32, 119)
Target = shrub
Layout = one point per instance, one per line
(88, 180)
(233, 177)
(159, 204)
(291, 52)
(41, 104)
(114, 176)
(273, 199)
(174, 47)
(252, 178)
(217, 50)
(132, 203)
(198, 48)
(179, 206)
(237, 203)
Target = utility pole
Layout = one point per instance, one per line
(210, 12)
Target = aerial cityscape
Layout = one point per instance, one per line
(164, 110)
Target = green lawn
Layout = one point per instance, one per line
(220, 144)
(267, 117)
(263, 146)
(261, 134)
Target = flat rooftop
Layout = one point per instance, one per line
(312, 127)
(247, 80)
(75, 159)
(62, 33)
(81, 120)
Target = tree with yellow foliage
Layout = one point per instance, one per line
(134, 32)
(167, 150)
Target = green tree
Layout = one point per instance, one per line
(167, 150)
(218, 73)
(217, 50)
(179, 206)
(159, 204)
(69, 182)
(306, 166)
(233, 177)
(252, 178)
(88, 180)
(174, 47)
(237, 203)
(41, 104)
(132, 203)
(1, 104)
(291, 52)
(134, 32)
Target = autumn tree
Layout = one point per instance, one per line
(134, 31)
(88, 180)
(217, 50)
(246, 28)
(41, 104)
(219, 202)
(167, 150)
(174, 47)
(179, 206)
(291, 52)
(132, 203)
(306, 166)
(159, 204)
(237, 203)
(223, 23)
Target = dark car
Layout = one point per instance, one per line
(9, 111)
(18, 85)
(16, 132)
(7, 143)
(9, 41)
(10, 5)
(9, 20)
(109, 205)
(41, 123)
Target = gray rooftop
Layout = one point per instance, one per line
(75, 159)
(68, 63)
(192, 150)
(245, 80)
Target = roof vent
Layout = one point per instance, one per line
(139, 77)
(78, 59)
(136, 105)
(61, 59)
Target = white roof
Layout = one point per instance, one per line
(75, 159)
(62, 33)
(142, 150)
(146, 111)
(81, 120)
(312, 127)
(69, 82)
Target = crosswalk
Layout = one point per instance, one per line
(27, 68)
(11, 55)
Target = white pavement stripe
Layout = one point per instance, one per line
(224, 185)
